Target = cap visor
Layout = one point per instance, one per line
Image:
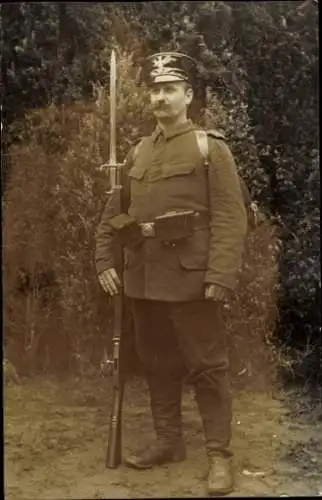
(166, 78)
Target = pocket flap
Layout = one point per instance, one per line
(137, 172)
(175, 170)
(189, 261)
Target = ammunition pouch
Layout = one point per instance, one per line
(127, 229)
(174, 226)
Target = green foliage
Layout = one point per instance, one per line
(52, 183)
(279, 47)
(50, 52)
(257, 65)
(252, 313)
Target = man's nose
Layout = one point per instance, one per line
(160, 94)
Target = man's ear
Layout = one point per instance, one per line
(189, 94)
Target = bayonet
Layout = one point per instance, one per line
(113, 457)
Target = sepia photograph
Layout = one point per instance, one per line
(161, 268)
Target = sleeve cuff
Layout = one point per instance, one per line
(102, 266)
(219, 293)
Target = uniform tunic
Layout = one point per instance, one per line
(168, 173)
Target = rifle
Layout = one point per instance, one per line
(114, 448)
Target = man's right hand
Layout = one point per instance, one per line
(110, 281)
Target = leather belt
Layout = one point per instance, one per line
(199, 220)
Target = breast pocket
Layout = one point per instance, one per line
(180, 181)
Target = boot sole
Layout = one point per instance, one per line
(219, 493)
(136, 465)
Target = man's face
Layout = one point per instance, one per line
(170, 100)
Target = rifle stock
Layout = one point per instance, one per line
(114, 448)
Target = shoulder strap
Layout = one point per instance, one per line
(202, 140)
(216, 134)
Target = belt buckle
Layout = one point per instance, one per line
(148, 229)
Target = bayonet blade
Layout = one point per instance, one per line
(113, 109)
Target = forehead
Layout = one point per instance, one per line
(167, 86)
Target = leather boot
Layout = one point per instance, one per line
(157, 454)
(214, 402)
(215, 407)
(220, 477)
(165, 401)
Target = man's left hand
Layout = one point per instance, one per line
(214, 292)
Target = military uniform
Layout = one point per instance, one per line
(179, 333)
(168, 173)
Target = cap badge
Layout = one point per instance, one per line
(160, 62)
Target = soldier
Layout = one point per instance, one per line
(185, 229)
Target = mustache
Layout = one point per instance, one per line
(160, 106)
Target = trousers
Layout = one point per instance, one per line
(181, 342)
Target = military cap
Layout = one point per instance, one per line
(168, 67)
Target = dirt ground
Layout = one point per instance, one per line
(56, 432)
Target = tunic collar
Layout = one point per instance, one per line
(172, 131)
